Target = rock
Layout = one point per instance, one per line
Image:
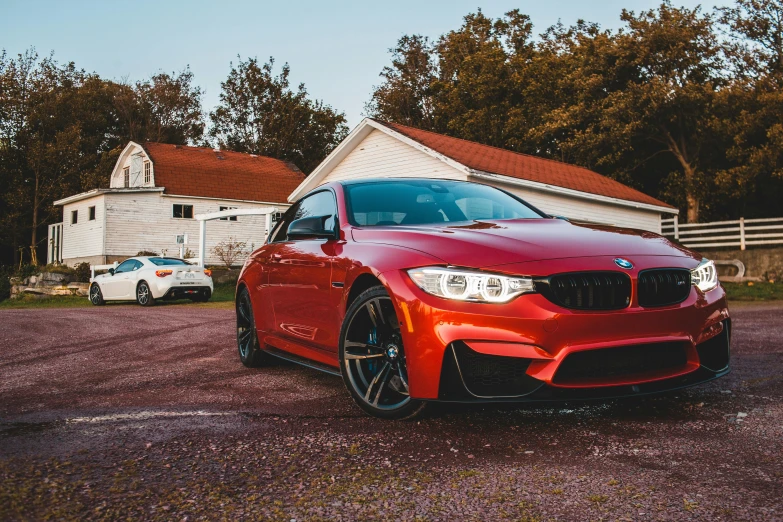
(80, 289)
(54, 277)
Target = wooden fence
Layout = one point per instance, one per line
(740, 233)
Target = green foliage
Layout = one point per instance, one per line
(81, 272)
(62, 129)
(754, 291)
(679, 103)
(259, 113)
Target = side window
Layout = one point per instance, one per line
(137, 265)
(319, 204)
(126, 266)
(279, 233)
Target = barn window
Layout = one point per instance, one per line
(232, 218)
(183, 211)
(74, 217)
(126, 174)
(91, 213)
(147, 172)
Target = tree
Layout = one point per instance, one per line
(406, 95)
(750, 116)
(260, 114)
(61, 130)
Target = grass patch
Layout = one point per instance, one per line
(222, 297)
(753, 292)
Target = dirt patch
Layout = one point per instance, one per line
(137, 413)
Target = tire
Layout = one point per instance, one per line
(144, 294)
(96, 296)
(372, 358)
(250, 353)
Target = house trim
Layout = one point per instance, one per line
(543, 187)
(368, 125)
(100, 191)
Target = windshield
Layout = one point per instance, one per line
(424, 202)
(167, 261)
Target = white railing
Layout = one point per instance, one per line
(740, 233)
(93, 268)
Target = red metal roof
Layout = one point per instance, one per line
(205, 172)
(523, 166)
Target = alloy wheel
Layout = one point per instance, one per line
(373, 356)
(143, 294)
(244, 326)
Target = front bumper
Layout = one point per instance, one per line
(534, 336)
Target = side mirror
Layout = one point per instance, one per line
(111, 271)
(310, 227)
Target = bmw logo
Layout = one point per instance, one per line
(623, 263)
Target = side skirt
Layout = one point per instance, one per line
(301, 361)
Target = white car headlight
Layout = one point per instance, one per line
(470, 285)
(705, 276)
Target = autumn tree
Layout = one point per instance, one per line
(61, 130)
(406, 93)
(260, 113)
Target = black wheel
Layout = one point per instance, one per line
(247, 338)
(372, 358)
(96, 296)
(144, 294)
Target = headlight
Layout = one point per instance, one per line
(469, 285)
(705, 276)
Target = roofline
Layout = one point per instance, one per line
(543, 187)
(102, 191)
(361, 131)
(227, 199)
(350, 142)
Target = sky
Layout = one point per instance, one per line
(337, 49)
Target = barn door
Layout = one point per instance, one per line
(135, 170)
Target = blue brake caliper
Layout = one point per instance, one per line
(372, 338)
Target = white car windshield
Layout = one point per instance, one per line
(168, 261)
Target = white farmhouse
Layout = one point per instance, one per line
(156, 190)
(376, 149)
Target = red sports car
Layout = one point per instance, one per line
(418, 290)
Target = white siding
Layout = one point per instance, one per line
(144, 221)
(381, 156)
(136, 170)
(580, 209)
(85, 238)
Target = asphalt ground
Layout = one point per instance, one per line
(124, 412)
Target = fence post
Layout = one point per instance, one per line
(676, 227)
(742, 233)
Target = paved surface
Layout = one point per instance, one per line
(124, 412)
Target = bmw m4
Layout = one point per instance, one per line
(420, 290)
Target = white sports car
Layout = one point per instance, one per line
(145, 279)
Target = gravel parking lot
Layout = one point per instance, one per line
(125, 412)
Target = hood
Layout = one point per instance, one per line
(481, 244)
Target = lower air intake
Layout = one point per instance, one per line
(610, 363)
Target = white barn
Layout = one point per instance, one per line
(156, 190)
(376, 149)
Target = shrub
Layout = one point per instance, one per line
(81, 272)
(5, 284)
(147, 253)
(229, 251)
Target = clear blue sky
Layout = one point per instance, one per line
(336, 48)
